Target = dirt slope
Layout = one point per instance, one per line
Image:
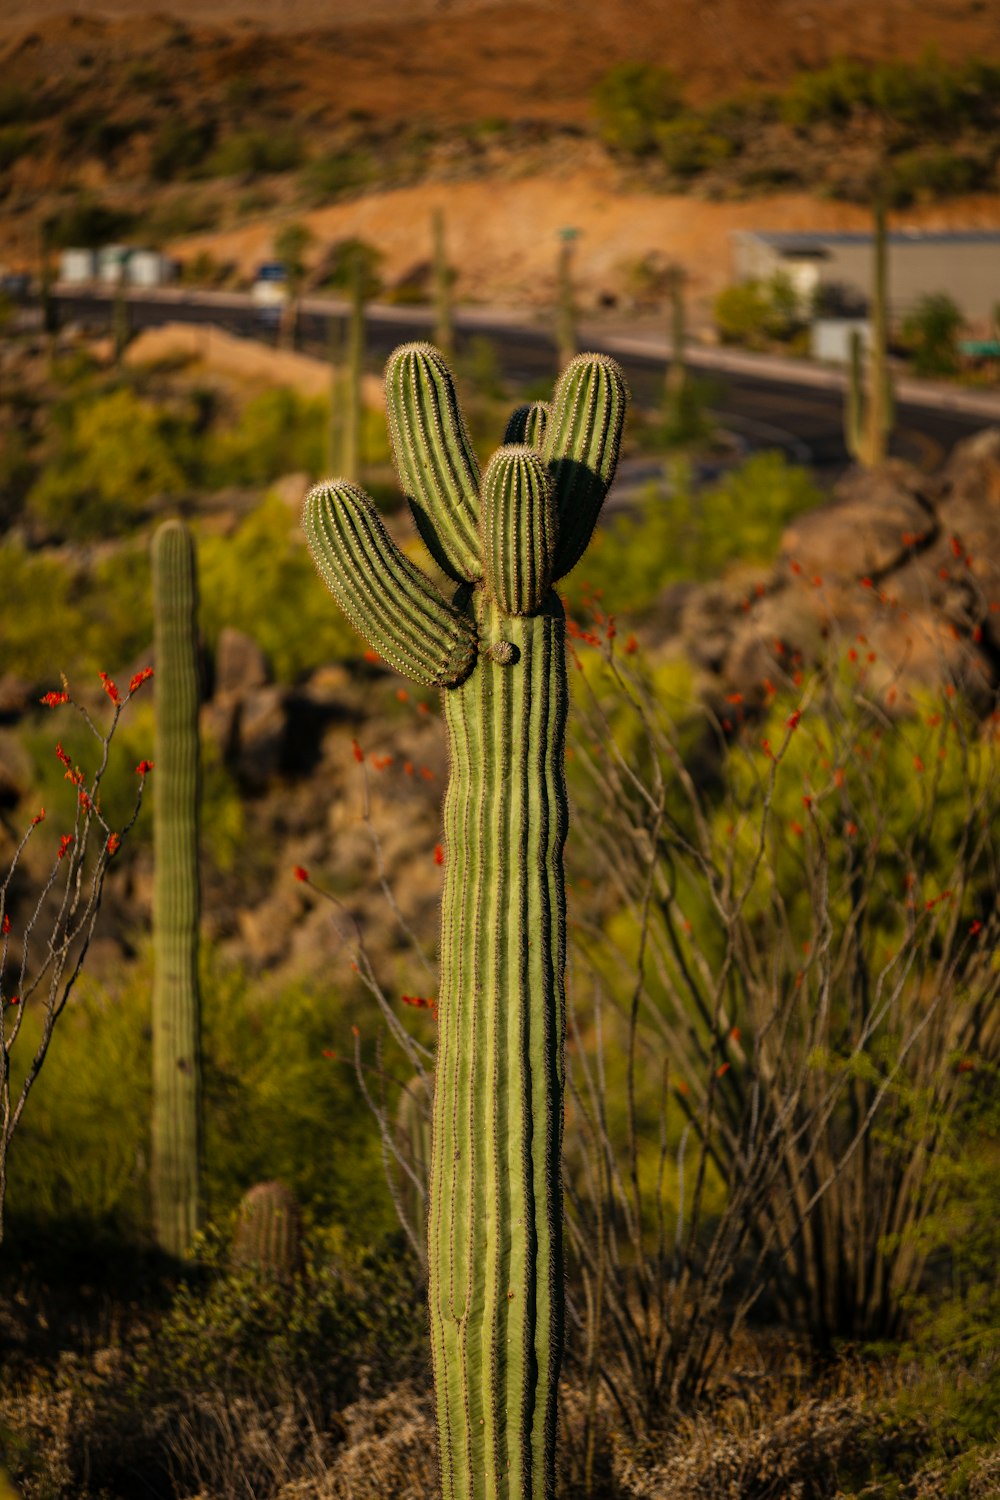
(466, 59)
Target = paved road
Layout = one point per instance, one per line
(785, 410)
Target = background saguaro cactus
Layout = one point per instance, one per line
(176, 1018)
(495, 1279)
(868, 414)
(268, 1234)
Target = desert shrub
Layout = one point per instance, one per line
(88, 222)
(930, 332)
(633, 101)
(15, 142)
(337, 173)
(275, 433)
(170, 218)
(179, 147)
(115, 454)
(252, 153)
(831, 93)
(695, 534)
(757, 313)
(65, 617)
(81, 1157)
(939, 173)
(688, 146)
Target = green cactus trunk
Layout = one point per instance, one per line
(495, 1219)
(176, 1014)
(351, 429)
(494, 1223)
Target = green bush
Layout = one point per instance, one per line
(179, 147)
(15, 142)
(633, 102)
(274, 1106)
(276, 432)
(87, 222)
(758, 313)
(930, 332)
(686, 534)
(66, 617)
(252, 153)
(689, 147)
(336, 174)
(116, 454)
(935, 173)
(340, 262)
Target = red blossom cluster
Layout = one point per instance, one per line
(52, 700)
(139, 679)
(64, 844)
(300, 872)
(109, 687)
(421, 1002)
(144, 767)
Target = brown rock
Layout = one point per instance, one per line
(240, 664)
(16, 772)
(868, 528)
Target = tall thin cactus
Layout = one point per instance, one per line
(566, 302)
(504, 536)
(352, 400)
(676, 371)
(868, 413)
(335, 415)
(176, 1010)
(444, 321)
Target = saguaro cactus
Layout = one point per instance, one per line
(868, 416)
(268, 1234)
(495, 1278)
(176, 1019)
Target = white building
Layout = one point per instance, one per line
(965, 264)
(77, 266)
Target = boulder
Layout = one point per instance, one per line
(240, 664)
(869, 528)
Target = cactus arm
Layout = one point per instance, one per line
(495, 1257)
(384, 595)
(527, 424)
(518, 530)
(581, 448)
(175, 1004)
(434, 457)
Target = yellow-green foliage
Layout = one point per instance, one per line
(689, 534)
(59, 617)
(82, 1153)
(113, 454)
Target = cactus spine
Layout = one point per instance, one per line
(176, 1019)
(868, 416)
(444, 323)
(495, 1279)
